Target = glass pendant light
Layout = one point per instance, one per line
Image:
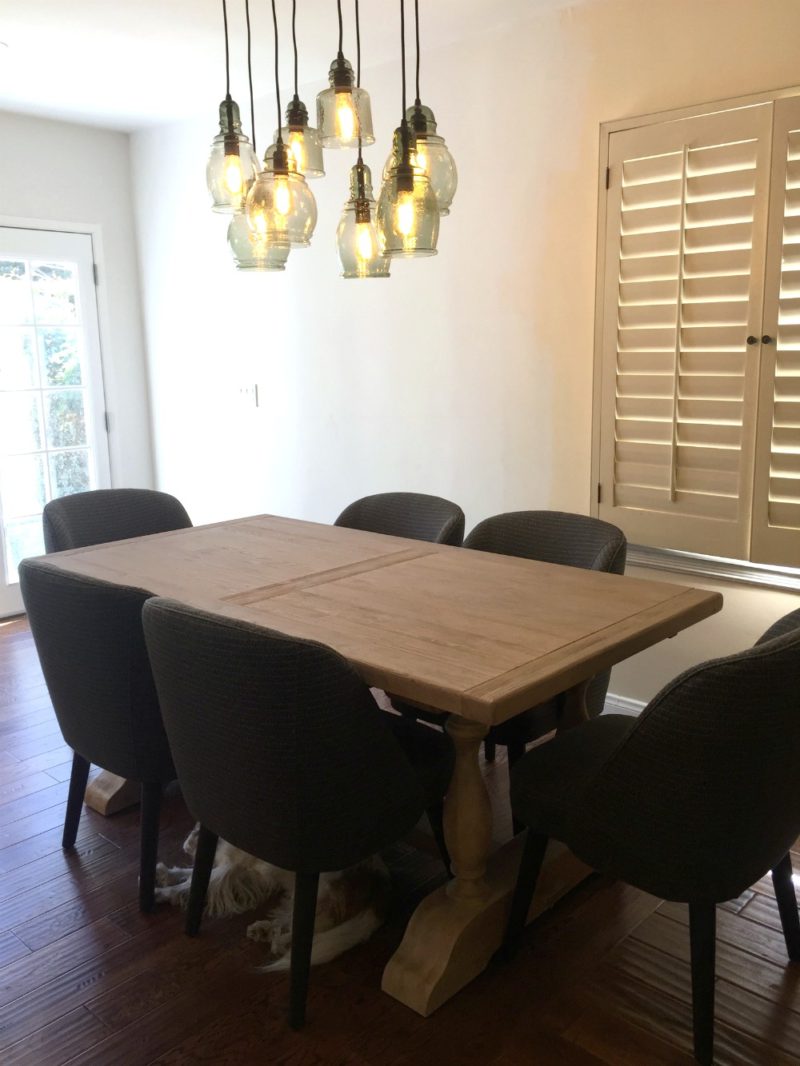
(281, 208)
(408, 214)
(344, 112)
(358, 239)
(249, 251)
(301, 139)
(431, 155)
(232, 163)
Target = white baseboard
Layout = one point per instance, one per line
(623, 705)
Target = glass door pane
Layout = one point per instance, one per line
(52, 427)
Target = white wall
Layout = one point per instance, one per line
(56, 172)
(470, 374)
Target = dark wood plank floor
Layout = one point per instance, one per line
(84, 978)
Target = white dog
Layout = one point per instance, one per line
(351, 904)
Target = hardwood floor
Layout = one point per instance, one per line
(84, 978)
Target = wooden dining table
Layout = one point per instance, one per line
(477, 636)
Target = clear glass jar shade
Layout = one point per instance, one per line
(250, 252)
(228, 176)
(342, 116)
(408, 221)
(433, 158)
(430, 156)
(281, 208)
(360, 245)
(305, 149)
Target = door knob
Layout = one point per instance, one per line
(752, 340)
(766, 339)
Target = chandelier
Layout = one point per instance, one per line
(272, 206)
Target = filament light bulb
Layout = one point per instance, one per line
(365, 246)
(283, 197)
(345, 117)
(234, 179)
(404, 214)
(297, 149)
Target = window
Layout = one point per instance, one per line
(698, 338)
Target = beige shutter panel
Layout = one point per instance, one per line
(776, 504)
(683, 288)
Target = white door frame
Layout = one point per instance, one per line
(94, 301)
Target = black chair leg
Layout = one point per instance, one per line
(515, 750)
(436, 818)
(148, 853)
(201, 874)
(77, 788)
(787, 905)
(702, 933)
(489, 750)
(529, 869)
(303, 914)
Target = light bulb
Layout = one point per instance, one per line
(297, 148)
(283, 197)
(233, 174)
(404, 220)
(420, 159)
(365, 247)
(345, 117)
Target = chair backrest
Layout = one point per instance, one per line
(705, 786)
(103, 515)
(562, 538)
(89, 638)
(553, 537)
(406, 514)
(279, 746)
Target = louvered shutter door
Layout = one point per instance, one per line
(684, 266)
(776, 505)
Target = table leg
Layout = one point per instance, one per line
(455, 930)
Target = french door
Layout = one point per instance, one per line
(53, 439)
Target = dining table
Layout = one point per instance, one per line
(476, 636)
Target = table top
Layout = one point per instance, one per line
(482, 635)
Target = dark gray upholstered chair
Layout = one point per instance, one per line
(282, 751)
(549, 537)
(406, 514)
(692, 801)
(89, 638)
(104, 515)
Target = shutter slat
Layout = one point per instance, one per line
(729, 236)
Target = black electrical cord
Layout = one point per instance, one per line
(341, 28)
(250, 76)
(279, 139)
(358, 49)
(403, 51)
(416, 20)
(294, 43)
(227, 52)
(358, 86)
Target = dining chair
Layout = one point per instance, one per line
(549, 537)
(88, 635)
(282, 751)
(693, 801)
(406, 514)
(103, 515)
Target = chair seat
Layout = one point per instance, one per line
(548, 784)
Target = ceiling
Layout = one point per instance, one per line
(131, 63)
